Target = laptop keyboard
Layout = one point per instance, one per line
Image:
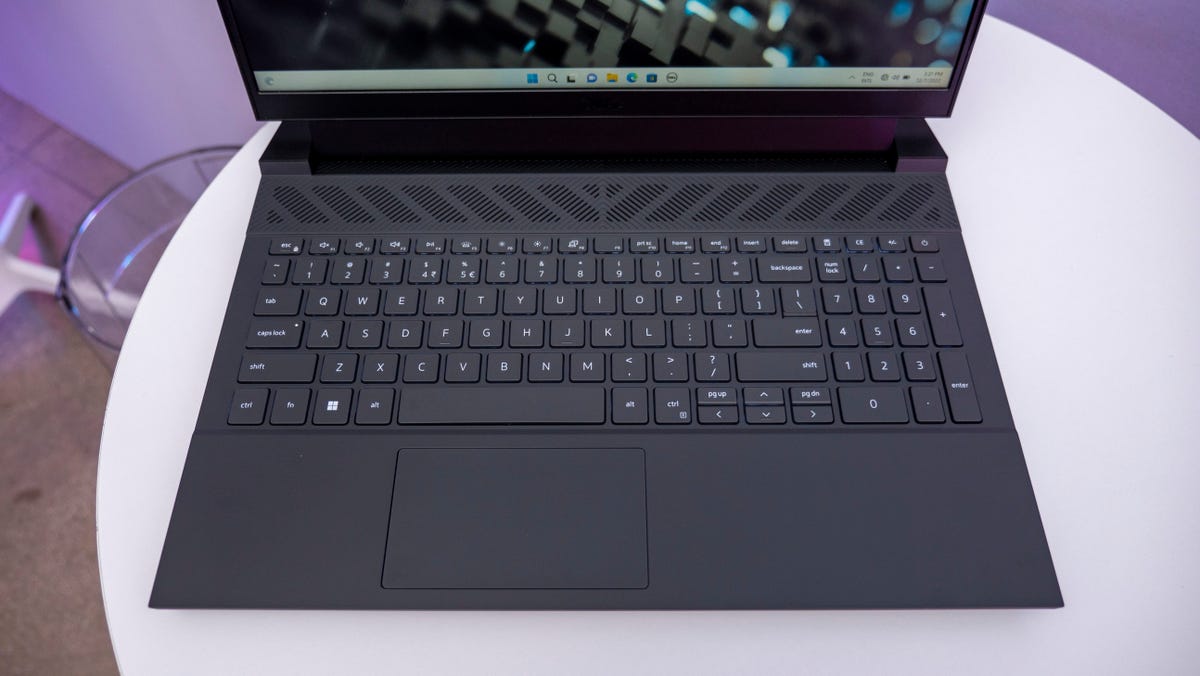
(713, 330)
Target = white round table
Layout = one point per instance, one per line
(1079, 204)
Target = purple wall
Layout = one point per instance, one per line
(1153, 45)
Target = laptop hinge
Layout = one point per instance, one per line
(872, 144)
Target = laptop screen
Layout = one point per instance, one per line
(294, 46)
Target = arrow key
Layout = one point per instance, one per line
(718, 415)
(812, 415)
(763, 396)
(766, 415)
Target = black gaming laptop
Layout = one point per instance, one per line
(581, 304)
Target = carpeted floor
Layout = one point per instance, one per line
(53, 387)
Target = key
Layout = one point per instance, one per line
(884, 366)
(827, 244)
(812, 415)
(503, 270)
(715, 245)
(787, 332)
(520, 300)
(504, 367)
(502, 245)
(566, 333)
(310, 271)
(670, 367)
(919, 366)
(466, 405)
(465, 245)
(558, 300)
(628, 367)
(421, 368)
(526, 333)
(672, 406)
(440, 301)
(405, 334)
(572, 246)
(681, 245)
(877, 332)
(324, 246)
(800, 367)
(546, 367)
(927, 405)
(323, 302)
(486, 333)
(960, 388)
(581, 270)
(891, 244)
(463, 270)
(697, 270)
(688, 333)
(872, 405)
(360, 246)
(380, 368)
(864, 268)
(776, 269)
(810, 396)
(763, 396)
(930, 268)
(608, 245)
(431, 245)
(332, 407)
(648, 333)
(365, 335)
(400, 302)
(249, 406)
(274, 333)
(717, 301)
(870, 300)
(587, 367)
(600, 301)
(842, 332)
(942, 321)
(716, 396)
(629, 406)
(734, 269)
(277, 368)
(324, 335)
(905, 300)
(362, 302)
(277, 303)
(847, 367)
(729, 333)
(374, 406)
(637, 300)
(766, 415)
(425, 270)
(446, 333)
(860, 244)
(717, 415)
(758, 300)
(790, 245)
(619, 270)
(387, 271)
(348, 271)
(538, 245)
(798, 301)
(462, 368)
(643, 245)
(276, 272)
(286, 247)
(897, 269)
(394, 245)
(912, 332)
(924, 244)
(712, 367)
(679, 300)
(339, 368)
(658, 270)
(290, 407)
(480, 301)
(751, 244)
(541, 270)
(836, 300)
(831, 269)
(608, 333)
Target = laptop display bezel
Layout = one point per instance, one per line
(666, 102)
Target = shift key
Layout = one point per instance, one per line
(774, 367)
(277, 368)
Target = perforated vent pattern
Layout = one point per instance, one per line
(603, 202)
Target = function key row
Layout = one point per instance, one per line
(292, 246)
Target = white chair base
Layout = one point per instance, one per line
(17, 275)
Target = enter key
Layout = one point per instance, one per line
(960, 388)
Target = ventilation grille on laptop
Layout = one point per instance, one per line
(607, 202)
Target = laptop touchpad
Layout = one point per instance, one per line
(518, 519)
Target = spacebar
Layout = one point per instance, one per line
(501, 406)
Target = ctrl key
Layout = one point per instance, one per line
(249, 406)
